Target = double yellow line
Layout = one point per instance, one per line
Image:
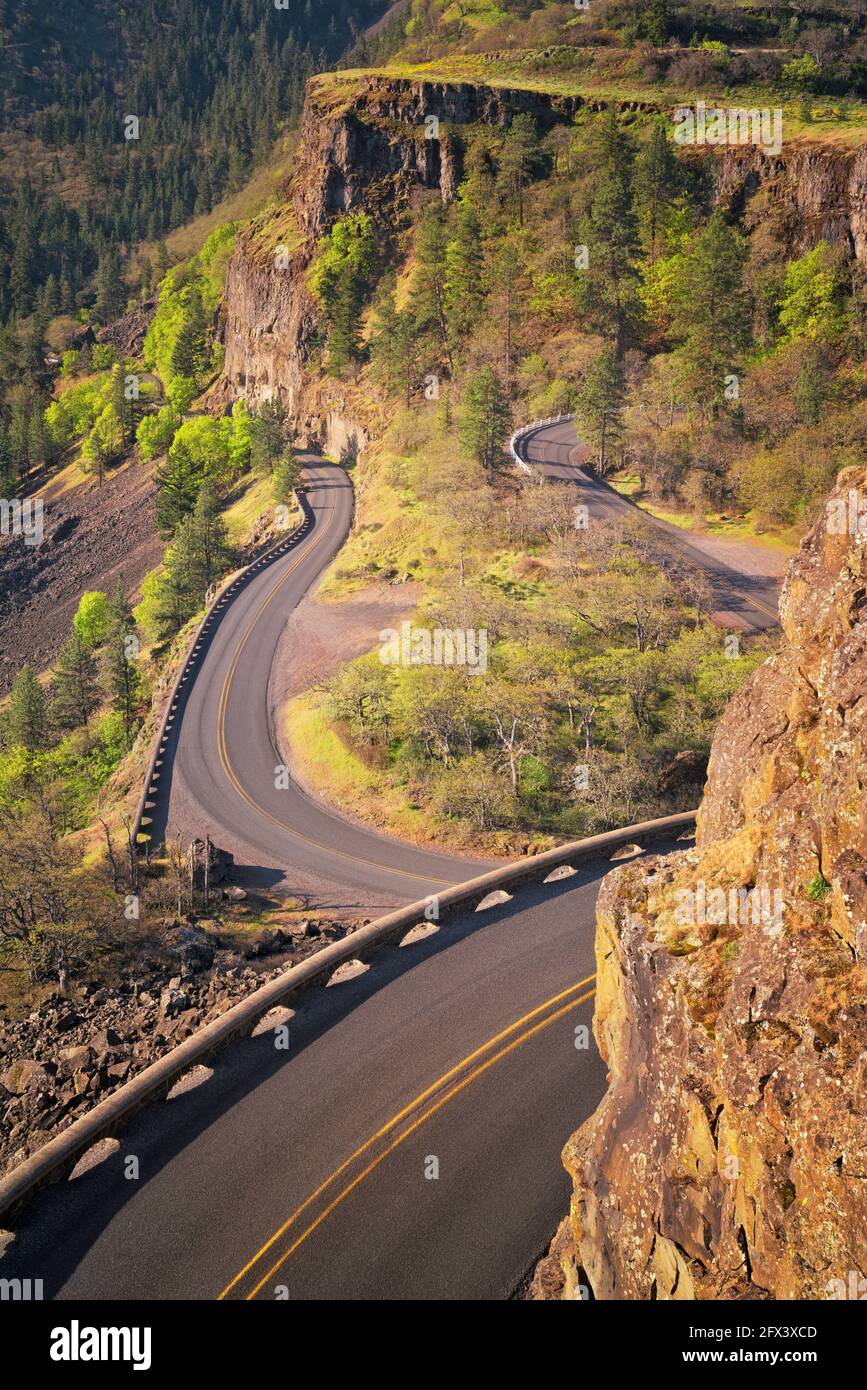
(221, 729)
(248, 1282)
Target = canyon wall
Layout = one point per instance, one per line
(728, 1158)
(365, 144)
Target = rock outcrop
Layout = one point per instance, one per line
(72, 1051)
(729, 1156)
(127, 334)
(371, 142)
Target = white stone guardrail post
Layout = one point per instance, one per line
(57, 1158)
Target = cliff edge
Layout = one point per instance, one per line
(728, 1158)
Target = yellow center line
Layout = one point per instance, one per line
(223, 748)
(461, 1086)
(756, 603)
(420, 1099)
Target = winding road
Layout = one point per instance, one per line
(749, 601)
(309, 1172)
(405, 1144)
(220, 774)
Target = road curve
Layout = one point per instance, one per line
(751, 600)
(308, 1172)
(219, 773)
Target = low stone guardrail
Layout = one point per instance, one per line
(195, 654)
(59, 1156)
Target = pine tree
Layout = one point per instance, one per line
(485, 419)
(121, 674)
(599, 405)
(711, 312)
(124, 409)
(463, 274)
(656, 181)
(208, 553)
(394, 353)
(110, 289)
(285, 478)
(519, 159)
(343, 339)
(178, 481)
(269, 436)
(74, 685)
(188, 354)
(163, 259)
(429, 292)
(610, 233)
(27, 715)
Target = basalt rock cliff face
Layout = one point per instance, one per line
(729, 1156)
(366, 142)
(807, 193)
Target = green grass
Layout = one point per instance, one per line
(597, 75)
(342, 778)
(249, 500)
(748, 527)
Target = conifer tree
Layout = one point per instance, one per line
(27, 715)
(74, 684)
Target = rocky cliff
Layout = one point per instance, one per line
(367, 141)
(729, 1156)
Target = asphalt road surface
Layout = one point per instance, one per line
(221, 770)
(308, 1172)
(751, 600)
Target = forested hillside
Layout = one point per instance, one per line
(210, 86)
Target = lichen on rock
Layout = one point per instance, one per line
(728, 1158)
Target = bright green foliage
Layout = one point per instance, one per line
(340, 276)
(238, 430)
(176, 341)
(802, 72)
(92, 618)
(156, 432)
(77, 409)
(818, 888)
(811, 307)
(182, 391)
(103, 356)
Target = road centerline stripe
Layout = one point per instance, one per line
(223, 749)
(403, 1114)
(428, 1114)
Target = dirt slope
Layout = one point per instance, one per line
(93, 535)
